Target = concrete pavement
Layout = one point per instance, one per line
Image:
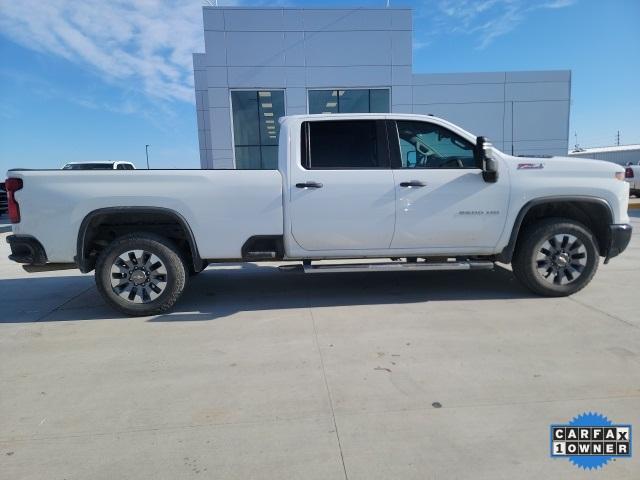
(270, 375)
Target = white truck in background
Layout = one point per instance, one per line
(105, 165)
(348, 186)
(632, 176)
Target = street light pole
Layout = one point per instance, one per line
(146, 149)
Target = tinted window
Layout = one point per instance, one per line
(425, 145)
(349, 101)
(345, 144)
(89, 166)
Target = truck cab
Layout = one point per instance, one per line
(379, 185)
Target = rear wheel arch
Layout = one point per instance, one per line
(141, 273)
(594, 212)
(104, 224)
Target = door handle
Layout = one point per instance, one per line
(309, 185)
(413, 183)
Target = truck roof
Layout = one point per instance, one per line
(99, 162)
(379, 116)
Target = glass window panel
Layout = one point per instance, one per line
(426, 145)
(90, 166)
(256, 128)
(379, 101)
(270, 157)
(323, 101)
(271, 108)
(353, 101)
(349, 101)
(246, 130)
(344, 144)
(248, 157)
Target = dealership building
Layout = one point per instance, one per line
(262, 63)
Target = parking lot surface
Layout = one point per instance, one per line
(260, 374)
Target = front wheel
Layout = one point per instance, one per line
(141, 274)
(556, 257)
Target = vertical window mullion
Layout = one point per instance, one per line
(259, 127)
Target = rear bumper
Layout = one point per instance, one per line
(620, 235)
(26, 249)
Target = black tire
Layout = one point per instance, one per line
(555, 257)
(169, 278)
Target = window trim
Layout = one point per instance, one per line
(231, 124)
(381, 137)
(393, 134)
(330, 89)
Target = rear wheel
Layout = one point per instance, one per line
(141, 274)
(556, 257)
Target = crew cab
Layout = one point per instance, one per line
(348, 186)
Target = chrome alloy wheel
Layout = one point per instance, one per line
(561, 259)
(138, 276)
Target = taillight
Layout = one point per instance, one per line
(628, 172)
(12, 185)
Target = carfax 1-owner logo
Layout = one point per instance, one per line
(590, 441)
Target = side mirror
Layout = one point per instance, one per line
(486, 160)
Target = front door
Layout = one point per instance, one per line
(342, 191)
(443, 202)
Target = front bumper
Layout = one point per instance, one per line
(26, 249)
(619, 237)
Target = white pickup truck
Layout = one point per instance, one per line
(358, 186)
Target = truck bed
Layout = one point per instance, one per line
(223, 208)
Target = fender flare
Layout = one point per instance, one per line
(81, 247)
(506, 255)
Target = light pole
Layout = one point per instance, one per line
(146, 150)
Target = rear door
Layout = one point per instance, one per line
(443, 202)
(342, 191)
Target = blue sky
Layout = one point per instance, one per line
(96, 80)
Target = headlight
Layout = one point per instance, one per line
(619, 175)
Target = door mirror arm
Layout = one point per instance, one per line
(485, 159)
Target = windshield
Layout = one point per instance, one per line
(88, 166)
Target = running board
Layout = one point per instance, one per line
(397, 266)
(260, 255)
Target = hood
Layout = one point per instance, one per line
(568, 165)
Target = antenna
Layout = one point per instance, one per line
(577, 147)
(618, 138)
